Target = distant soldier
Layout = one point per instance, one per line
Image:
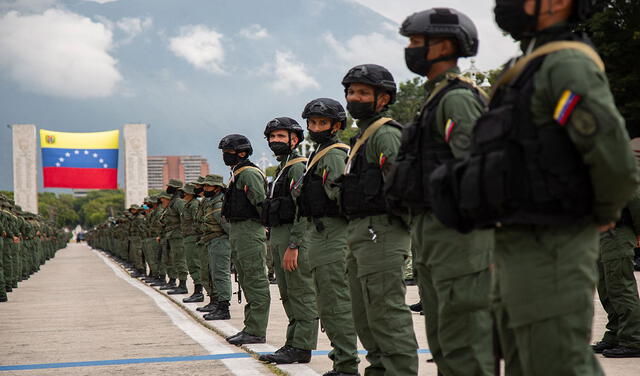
(191, 234)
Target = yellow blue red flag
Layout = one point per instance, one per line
(80, 160)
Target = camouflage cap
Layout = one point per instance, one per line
(135, 207)
(164, 194)
(146, 199)
(189, 189)
(175, 183)
(153, 200)
(200, 180)
(214, 180)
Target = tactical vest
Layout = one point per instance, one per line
(188, 224)
(518, 172)
(313, 200)
(362, 187)
(421, 152)
(237, 206)
(280, 208)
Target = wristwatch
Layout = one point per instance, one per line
(294, 245)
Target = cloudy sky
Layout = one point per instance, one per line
(196, 70)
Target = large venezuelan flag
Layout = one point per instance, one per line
(80, 160)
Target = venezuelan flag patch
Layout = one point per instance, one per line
(448, 129)
(567, 103)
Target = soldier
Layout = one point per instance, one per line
(286, 233)
(150, 244)
(172, 220)
(326, 236)
(217, 250)
(550, 166)
(155, 231)
(378, 242)
(191, 234)
(136, 233)
(247, 236)
(166, 259)
(617, 287)
(458, 326)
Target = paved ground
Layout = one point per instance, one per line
(82, 307)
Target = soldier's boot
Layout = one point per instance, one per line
(197, 296)
(338, 373)
(416, 307)
(221, 313)
(621, 352)
(291, 355)
(3, 298)
(181, 289)
(267, 357)
(213, 303)
(169, 285)
(272, 278)
(600, 346)
(8, 288)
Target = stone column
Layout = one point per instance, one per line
(25, 184)
(135, 163)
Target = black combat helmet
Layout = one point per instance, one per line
(328, 108)
(444, 22)
(371, 74)
(236, 142)
(285, 123)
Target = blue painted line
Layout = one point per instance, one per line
(168, 359)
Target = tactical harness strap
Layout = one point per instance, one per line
(316, 158)
(238, 171)
(367, 133)
(546, 49)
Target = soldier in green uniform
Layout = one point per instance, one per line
(136, 233)
(150, 244)
(190, 233)
(164, 199)
(378, 241)
(550, 166)
(4, 225)
(247, 190)
(172, 219)
(286, 233)
(452, 269)
(617, 286)
(326, 236)
(217, 249)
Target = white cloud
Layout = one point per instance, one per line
(254, 32)
(101, 1)
(58, 53)
(367, 49)
(132, 26)
(290, 74)
(26, 6)
(200, 46)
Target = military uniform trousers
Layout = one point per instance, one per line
(382, 318)
(327, 251)
(3, 283)
(218, 257)
(248, 252)
(617, 287)
(151, 255)
(455, 286)
(192, 255)
(135, 252)
(544, 288)
(176, 259)
(163, 260)
(296, 292)
(7, 257)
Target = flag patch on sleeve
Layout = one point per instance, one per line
(448, 129)
(567, 103)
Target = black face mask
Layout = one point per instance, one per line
(181, 194)
(321, 137)
(230, 159)
(209, 193)
(359, 110)
(171, 190)
(511, 17)
(280, 148)
(198, 191)
(416, 59)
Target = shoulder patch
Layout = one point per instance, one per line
(565, 106)
(448, 129)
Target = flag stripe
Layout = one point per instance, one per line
(80, 158)
(66, 140)
(84, 178)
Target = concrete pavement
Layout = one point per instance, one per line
(83, 307)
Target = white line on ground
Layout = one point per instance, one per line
(240, 367)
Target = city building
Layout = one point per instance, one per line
(186, 168)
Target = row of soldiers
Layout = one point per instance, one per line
(27, 241)
(502, 203)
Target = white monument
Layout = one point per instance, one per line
(25, 183)
(135, 163)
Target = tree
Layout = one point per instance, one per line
(411, 95)
(616, 34)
